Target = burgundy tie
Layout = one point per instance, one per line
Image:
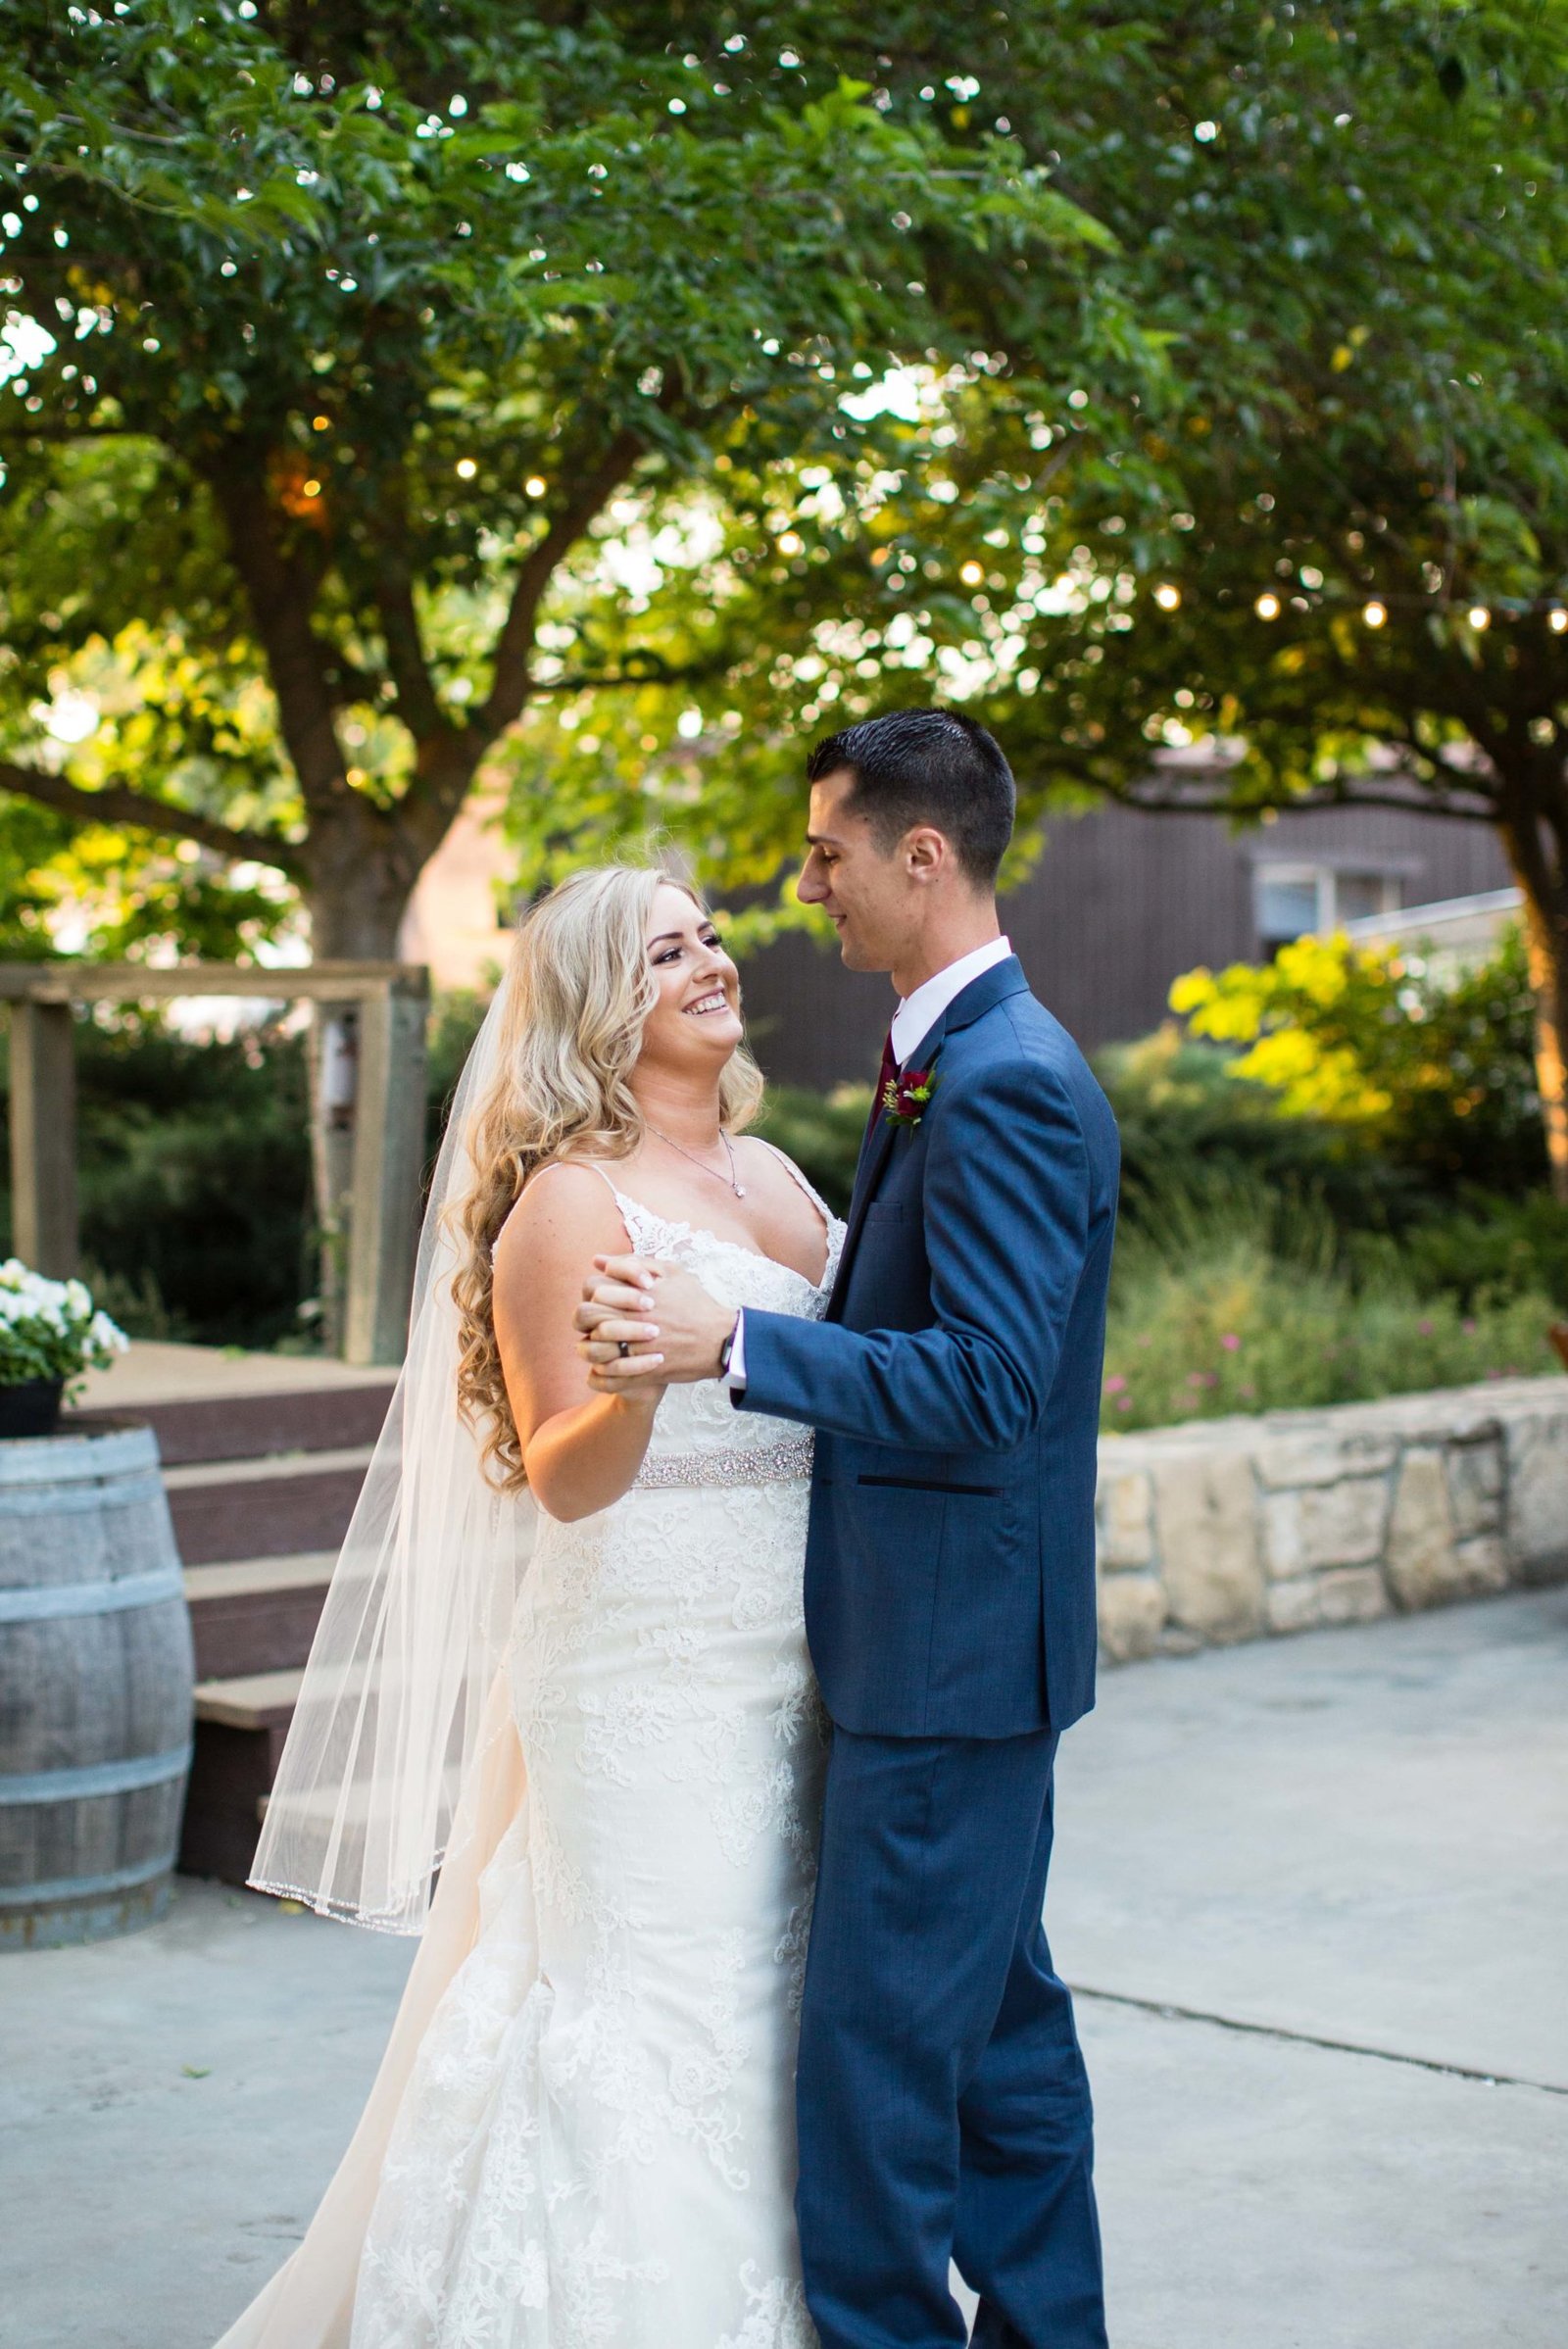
(887, 1072)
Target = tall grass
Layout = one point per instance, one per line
(1234, 1297)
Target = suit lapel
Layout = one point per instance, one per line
(876, 1145)
(875, 1150)
(874, 1153)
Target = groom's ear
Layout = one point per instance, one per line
(926, 855)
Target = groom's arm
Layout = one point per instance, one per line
(1006, 1205)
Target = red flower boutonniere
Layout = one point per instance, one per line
(904, 1099)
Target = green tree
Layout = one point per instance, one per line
(1321, 559)
(1355, 219)
(336, 330)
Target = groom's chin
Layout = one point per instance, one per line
(857, 957)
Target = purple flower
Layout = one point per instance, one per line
(1231, 1343)
(1116, 1385)
(1426, 1328)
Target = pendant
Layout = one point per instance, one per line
(740, 1191)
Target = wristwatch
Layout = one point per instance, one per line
(727, 1348)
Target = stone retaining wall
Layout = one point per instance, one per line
(1228, 1529)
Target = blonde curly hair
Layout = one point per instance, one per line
(577, 994)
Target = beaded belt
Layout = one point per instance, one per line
(747, 1464)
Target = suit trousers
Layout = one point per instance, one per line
(944, 2107)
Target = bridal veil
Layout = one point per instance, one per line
(392, 1711)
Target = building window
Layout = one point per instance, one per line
(1300, 901)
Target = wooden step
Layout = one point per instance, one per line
(255, 1614)
(286, 1504)
(243, 1427)
(241, 1723)
(218, 1403)
(261, 1701)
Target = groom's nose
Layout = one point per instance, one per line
(809, 887)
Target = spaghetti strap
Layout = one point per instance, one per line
(646, 1231)
(591, 1166)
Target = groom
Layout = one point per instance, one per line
(949, 1576)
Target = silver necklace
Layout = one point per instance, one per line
(738, 1188)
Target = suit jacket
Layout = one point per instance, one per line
(954, 1388)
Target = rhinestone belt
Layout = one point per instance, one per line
(747, 1464)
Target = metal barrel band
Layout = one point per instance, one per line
(126, 1776)
(44, 1602)
(86, 1887)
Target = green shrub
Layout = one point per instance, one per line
(1188, 1123)
(1242, 1300)
(195, 1181)
(1429, 1070)
(821, 1132)
(1485, 1244)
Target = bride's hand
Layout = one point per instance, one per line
(634, 1312)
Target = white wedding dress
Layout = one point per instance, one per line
(583, 2136)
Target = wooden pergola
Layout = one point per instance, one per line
(392, 1001)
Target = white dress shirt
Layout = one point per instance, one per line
(916, 1018)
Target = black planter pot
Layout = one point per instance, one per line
(31, 1408)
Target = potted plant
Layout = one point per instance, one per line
(50, 1333)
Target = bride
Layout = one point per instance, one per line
(563, 1658)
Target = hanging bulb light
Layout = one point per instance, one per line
(1557, 619)
(1479, 617)
(1374, 614)
(1267, 606)
(1167, 597)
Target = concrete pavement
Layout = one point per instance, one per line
(1314, 1895)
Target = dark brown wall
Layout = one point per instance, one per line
(1119, 906)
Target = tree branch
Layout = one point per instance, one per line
(392, 586)
(118, 804)
(1291, 805)
(510, 677)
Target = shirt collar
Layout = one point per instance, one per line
(917, 1013)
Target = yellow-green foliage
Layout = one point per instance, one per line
(1387, 1046)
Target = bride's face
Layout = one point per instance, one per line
(696, 1022)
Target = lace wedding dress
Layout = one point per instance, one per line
(588, 2142)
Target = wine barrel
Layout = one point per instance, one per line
(96, 1683)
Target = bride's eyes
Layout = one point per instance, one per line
(709, 939)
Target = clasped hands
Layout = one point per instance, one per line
(645, 1324)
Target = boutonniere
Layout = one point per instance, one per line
(905, 1098)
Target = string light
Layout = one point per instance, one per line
(1557, 619)
(971, 573)
(1167, 597)
(1374, 614)
(535, 485)
(467, 469)
(1479, 617)
(1267, 606)
(311, 489)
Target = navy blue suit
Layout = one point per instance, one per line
(949, 1604)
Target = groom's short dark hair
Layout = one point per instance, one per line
(927, 766)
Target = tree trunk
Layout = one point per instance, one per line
(1542, 879)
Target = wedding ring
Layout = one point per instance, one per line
(622, 1347)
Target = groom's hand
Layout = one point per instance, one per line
(660, 1313)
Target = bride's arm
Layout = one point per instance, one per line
(581, 1450)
